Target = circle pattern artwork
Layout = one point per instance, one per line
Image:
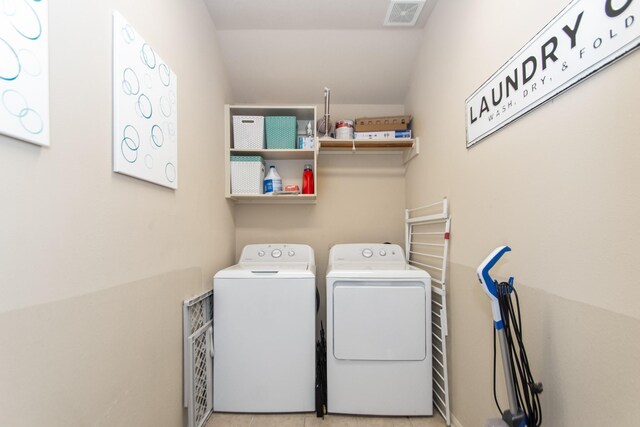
(165, 106)
(130, 144)
(25, 20)
(143, 109)
(165, 74)
(170, 172)
(31, 121)
(130, 82)
(157, 136)
(14, 102)
(9, 62)
(24, 82)
(128, 34)
(148, 56)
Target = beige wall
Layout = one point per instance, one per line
(94, 265)
(558, 186)
(360, 199)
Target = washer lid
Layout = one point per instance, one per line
(263, 269)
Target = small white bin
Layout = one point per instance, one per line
(247, 174)
(248, 132)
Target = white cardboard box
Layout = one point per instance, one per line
(389, 134)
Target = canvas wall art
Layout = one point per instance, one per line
(24, 70)
(145, 131)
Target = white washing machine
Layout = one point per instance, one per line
(378, 332)
(264, 331)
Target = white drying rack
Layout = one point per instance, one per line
(427, 231)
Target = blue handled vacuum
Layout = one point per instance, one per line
(522, 391)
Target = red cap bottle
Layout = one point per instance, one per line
(307, 180)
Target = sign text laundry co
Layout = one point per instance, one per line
(586, 36)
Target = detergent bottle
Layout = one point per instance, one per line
(307, 180)
(272, 182)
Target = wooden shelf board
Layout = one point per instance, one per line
(274, 199)
(408, 147)
(302, 112)
(329, 144)
(274, 154)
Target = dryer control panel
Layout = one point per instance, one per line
(280, 252)
(366, 252)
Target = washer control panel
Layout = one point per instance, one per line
(279, 252)
(367, 252)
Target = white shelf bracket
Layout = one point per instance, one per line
(413, 152)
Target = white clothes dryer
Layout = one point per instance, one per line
(264, 331)
(378, 332)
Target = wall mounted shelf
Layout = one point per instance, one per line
(289, 162)
(408, 147)
(302, 199)
(273, 154)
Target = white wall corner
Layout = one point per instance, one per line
(455, 422)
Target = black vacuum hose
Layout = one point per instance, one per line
(527, 390)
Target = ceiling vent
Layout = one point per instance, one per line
(403, 12)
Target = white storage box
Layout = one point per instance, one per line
(247, 174)
(248, 132)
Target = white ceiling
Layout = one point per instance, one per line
(287, 51)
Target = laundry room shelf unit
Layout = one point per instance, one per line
(288, 162)
(408, 147)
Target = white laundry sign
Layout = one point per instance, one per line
(586, 36)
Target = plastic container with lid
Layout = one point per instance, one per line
(247, 174)
(272, 182)
(307, 180)
(344, 129)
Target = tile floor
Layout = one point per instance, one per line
(310, 420)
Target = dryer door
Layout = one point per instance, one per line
(379, 320)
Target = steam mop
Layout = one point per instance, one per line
(525, 392)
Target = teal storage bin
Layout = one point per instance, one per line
(281, 131)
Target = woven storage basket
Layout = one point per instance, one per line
(281, 131)
(248, 132)
(247, 174)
